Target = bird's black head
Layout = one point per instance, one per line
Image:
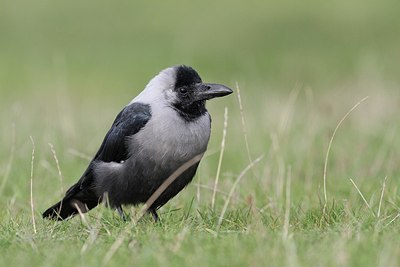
(191, 93)
(186, 76)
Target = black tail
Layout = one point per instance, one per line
(60, 211)
(75, 198)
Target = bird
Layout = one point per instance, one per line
(162, 128)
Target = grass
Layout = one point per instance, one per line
(68, 68)
(275, 213)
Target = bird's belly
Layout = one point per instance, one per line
(156, 151)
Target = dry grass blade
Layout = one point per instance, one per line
(243, 122)
(58, 166)
(362, 196)
(168, 182)
(287, 206)
(392, 220)
(220, 157)
(221, 192)
(114, 247)
(32, 206)
(81, 214)
(289, 109)
(221, 217)
(79, 154)
(10, 161)
(330, 145)
(181, 236)
(93, 234)
(381, 198)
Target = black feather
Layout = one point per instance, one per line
(186, 76)
(113, 149)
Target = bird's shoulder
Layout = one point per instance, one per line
(128, 122)
(133, 116)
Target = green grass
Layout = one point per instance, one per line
(67, 68)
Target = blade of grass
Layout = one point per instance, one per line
(221, 217)
(53, 151)
(392, 220)
(330, 145)
(220, 158)
(381, 199)
(243, 122)
(362, 196)
(287, 206)
(167, 183)
(31, 188)
(10, 161)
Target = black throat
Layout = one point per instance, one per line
(191, 112)
(188, 109)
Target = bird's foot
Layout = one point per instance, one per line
(121, 213)
(155, 215)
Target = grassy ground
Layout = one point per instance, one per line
(66, 69)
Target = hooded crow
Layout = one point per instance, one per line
(161, 129)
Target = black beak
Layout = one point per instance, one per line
(206, 91)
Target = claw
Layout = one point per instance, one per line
(154, 214)
(121, 213)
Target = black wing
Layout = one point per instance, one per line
(128, 122)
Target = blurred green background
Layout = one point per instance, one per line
(68, 67)
(113, 47)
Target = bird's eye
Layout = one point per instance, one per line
(183, 90)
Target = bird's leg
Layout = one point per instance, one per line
(154, 214)
(121, 213)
